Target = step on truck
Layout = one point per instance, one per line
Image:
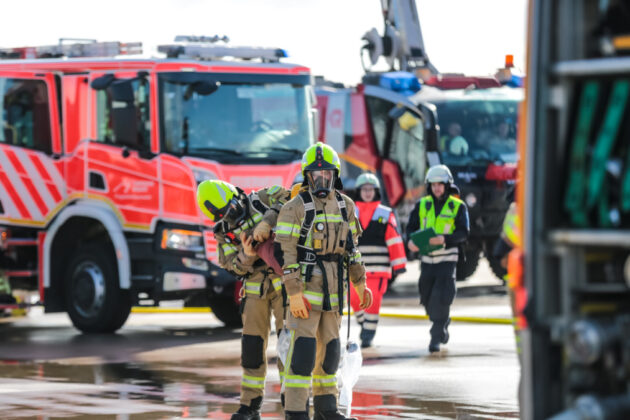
(100, 156)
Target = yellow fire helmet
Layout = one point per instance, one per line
(319, 157)
(214, 197)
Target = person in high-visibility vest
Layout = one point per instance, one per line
(240, 220)
(508, 250)
(382, 250)
(448, 216)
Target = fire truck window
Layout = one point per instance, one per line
(236, 121)
(478, 132)
(408, 149)
(378, 110)
(25, 114)
(105, 125)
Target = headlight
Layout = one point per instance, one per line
(182, 240)
(471, 200)
(203, 175)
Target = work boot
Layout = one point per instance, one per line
(331, 415)
(296, 415)
(446, 334)
(326, 408)
(251, 412)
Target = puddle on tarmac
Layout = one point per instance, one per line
(208, 389)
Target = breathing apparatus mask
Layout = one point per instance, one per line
(321, 182)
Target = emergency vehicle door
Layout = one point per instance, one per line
(121, 167)
(32, 185)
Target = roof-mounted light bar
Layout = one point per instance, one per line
(85, 48)
(206, 48)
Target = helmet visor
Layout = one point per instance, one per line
(321, 182)
(235, 212)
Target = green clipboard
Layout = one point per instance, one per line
(421, 239)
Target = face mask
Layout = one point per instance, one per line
(235, 214)
(321, 182)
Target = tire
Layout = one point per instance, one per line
(95, 302)
(495, 263)
(497, 268)
(467, 267)
(226, 310)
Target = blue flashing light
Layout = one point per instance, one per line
(282, 53)
(515, 81)
(400, 81)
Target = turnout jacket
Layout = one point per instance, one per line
(263, 205)
(326, 238)
(381, 246)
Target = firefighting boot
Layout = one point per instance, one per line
(326, 408)
(251, 412)
(296, 415)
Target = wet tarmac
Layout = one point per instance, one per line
(167, 366)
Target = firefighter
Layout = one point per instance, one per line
(240, 220)
(448, 216)
(316, 237)
(508, 245)
(382, 251)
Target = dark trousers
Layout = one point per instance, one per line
(437, 291)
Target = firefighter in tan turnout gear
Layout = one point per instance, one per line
(316, 238)
(241, 220)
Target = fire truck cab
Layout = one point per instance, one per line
(100, 157)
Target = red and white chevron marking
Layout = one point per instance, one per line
(31, 186)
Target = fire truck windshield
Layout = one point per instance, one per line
(474, 132)
(229, 121)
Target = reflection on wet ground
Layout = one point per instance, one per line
(203, 389)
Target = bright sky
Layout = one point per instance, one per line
(470, 36)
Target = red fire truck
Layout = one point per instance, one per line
(100, 157)
(390, 125)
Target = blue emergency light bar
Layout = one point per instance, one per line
(400, 81)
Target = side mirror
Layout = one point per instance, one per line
(124, 115)
(203, 88)
(122, 91)
(103, 82)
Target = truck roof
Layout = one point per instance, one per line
(435, 95)
(74, 65)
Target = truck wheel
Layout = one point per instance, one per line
(95, 301)
(497, 268)
(226, 310)
(466, 268)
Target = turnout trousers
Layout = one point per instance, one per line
(313, 357)
(437, 291)
(256, 328)
(368, 318)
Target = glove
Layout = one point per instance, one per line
(299, 306)
(248, 246)
(365, 295)
(262, 231)
(357, 273)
